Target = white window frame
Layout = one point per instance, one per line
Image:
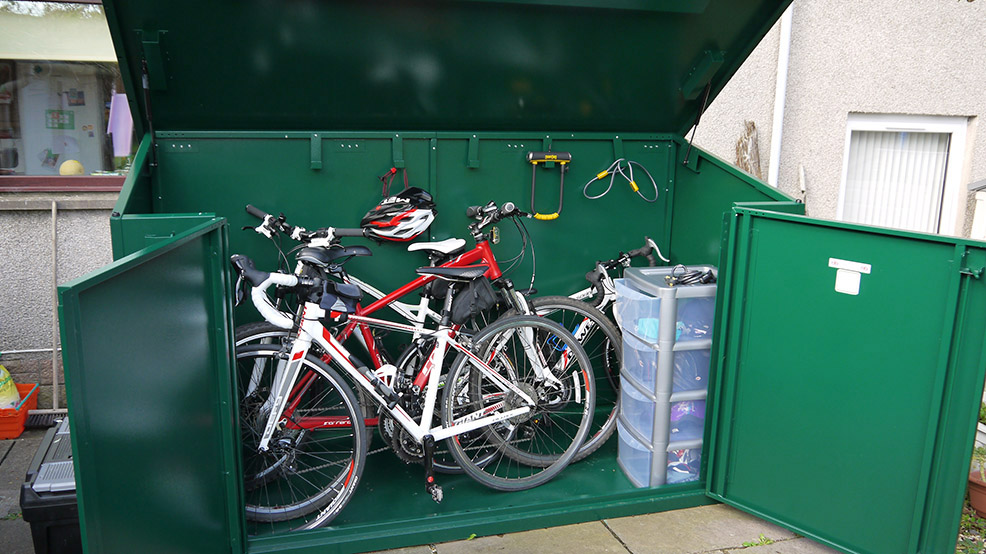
(953, 195)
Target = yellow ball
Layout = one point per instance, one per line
(71, 167)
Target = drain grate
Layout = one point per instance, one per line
(41, 421)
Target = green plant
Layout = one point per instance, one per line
(763, 541)
(982, 412)
(979, 461)
(972, 529)
(11, 516)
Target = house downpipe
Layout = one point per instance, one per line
(780, 93)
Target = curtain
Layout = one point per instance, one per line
(896, 179)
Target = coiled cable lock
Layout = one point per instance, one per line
(624, 167)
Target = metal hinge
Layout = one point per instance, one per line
(975, 273)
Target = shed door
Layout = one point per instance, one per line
(147, 362)
(849, 374)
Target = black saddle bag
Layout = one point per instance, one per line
(471, 299)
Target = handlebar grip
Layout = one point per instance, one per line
(473, 211)
(348, 232)
(595, 277)
(646, 252)
(255, 211)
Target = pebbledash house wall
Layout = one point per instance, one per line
(30, 270)
(906, 57)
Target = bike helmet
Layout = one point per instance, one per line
(401, 217)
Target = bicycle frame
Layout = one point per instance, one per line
(480, 254)
(287, 389)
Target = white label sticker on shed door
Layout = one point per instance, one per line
(848, 275)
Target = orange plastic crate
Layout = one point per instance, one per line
(12, 419)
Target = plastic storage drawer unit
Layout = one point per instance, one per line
(640, 464)
(48, 500)
(641, 361)
(667, 340)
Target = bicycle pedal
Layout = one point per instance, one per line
(436, 492)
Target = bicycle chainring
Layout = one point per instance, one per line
(406, 448)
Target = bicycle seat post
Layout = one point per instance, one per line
(447, 305)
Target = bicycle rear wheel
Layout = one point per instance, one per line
(531, 447)
(315, 458)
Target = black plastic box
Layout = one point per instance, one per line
(48, 500)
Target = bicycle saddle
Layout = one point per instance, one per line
(455, 273)
(446, 246)
(322, 257)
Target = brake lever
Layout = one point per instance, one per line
(240, 293)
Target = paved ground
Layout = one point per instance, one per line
(716, 529)
(15, 456)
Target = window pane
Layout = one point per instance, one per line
(57, 86)
(896, 179)
(52, 112)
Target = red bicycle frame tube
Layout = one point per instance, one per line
(481, 254)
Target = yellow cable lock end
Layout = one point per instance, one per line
(546, 217)
(603, 174)
(634, 186)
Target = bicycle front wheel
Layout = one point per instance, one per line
(316, 456)
(603, 343)
(535, 445)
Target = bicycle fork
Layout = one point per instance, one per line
(519, 303)
(285, 377)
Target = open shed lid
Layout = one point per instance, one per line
(438, 65)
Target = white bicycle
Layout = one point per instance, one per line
(516, 404)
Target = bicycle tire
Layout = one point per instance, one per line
(605, 351)
(262, 332)
(533, 447)
(259, 332)
(311, 470)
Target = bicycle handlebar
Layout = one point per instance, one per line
(596, 276)
(490, 214)
(645, 251)
(273, 224)
(256, 212)
(348, 232)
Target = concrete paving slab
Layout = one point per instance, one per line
(15, 457)
(693, 530)
(800, 545)
(569, 539)
(423, 549)
(15, 537)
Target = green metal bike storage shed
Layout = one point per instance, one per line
(847, 362)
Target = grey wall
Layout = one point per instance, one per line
(922, 57)
(26, 300)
